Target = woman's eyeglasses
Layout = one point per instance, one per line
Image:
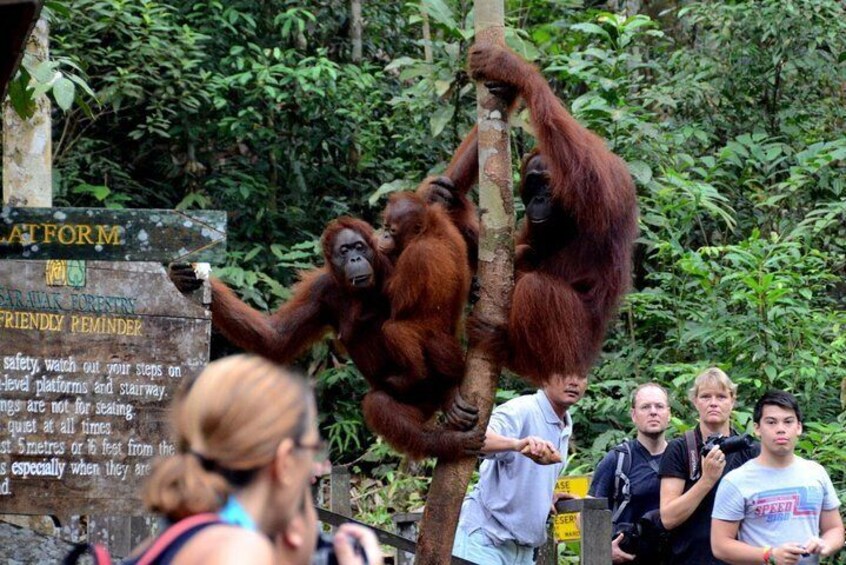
(319, 449)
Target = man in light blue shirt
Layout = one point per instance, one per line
(503, 519)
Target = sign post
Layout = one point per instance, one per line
(566, 524)
(91, 351)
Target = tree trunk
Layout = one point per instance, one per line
(27, 145)
(496, 274)
(427, 37)
(355, 30)
(28, 181)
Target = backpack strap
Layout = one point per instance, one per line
(622, 485)
(694, 472)
(655, 465)
(178, 533)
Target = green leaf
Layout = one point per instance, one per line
(641, 171)
(521, 46)
(44, 71)
(388, 188)
(401, 62)
(63, 92)
(771, 372)
(21, 96)
(100, 192)
(442, 87)
(592, 29)
(440, 12)
(440, 119)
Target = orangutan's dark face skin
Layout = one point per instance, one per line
(352, 259)
(403, 220)
(535, 192)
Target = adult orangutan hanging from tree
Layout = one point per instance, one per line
(349, 296)
(573, 255)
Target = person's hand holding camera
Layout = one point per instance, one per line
(713, 465)
(617, 554)
(345, 552)
(817, 546)
(788, 553)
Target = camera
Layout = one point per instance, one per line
(632, 541)
(646, 538)
(727, 444)
(324, 553)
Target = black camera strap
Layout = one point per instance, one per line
(694, 472)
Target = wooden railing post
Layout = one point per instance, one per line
(405, 524)
(340, 486)
(548, 552)
(595, 528)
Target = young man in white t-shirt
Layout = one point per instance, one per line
(777, 508)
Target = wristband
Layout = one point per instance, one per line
(769, 558)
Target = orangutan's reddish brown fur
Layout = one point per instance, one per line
(324, 300)
(427, 291)
(461, 174)
(570, 277)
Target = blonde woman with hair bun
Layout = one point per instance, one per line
(247, 441)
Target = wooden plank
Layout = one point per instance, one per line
(596, 536)
(86, 375)
(548, 552)
(121, 534)
(406, 524)
(102, 234)
(341, 486)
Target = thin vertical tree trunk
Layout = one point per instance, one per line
(496, 274)
(427, 37)
(355, 30)
(28, 181)
(27, 144)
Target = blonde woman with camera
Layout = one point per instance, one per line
(689, 478)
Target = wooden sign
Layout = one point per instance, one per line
(566, 525)
(103, 234)
(86, 375)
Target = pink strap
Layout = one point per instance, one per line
(101, 556)
(172, 533)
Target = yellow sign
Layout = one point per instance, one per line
(566, 526)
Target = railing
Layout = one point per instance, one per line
(405, 523)
(594, 527)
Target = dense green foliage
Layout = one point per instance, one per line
(730, 114)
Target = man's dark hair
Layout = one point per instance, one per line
(776, 398)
